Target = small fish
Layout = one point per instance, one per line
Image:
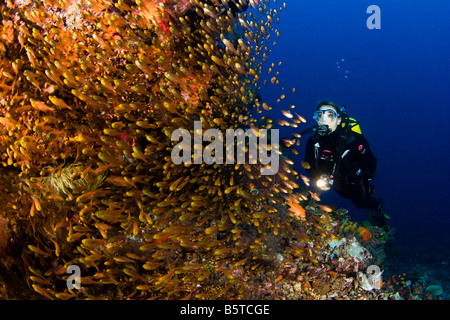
(287, 114)
(314, 195)
(212, 230)
(305, 165)
(300, 118)
(266, 106)
(36, 203)
(37, 250)
(165, 278)
(57, 250)
(8, 122)
(325, 208)
(110, 215)
(120, 181)
(305, 179)
(41, 106)
(123, 260)
(297, 209)
(138, 154)
(288, 142)
(283, 123)
(229, 45)
(91, 195)
(229, 189)
(232, 217)
(42, 291)
(240, 68)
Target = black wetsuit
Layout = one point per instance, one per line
(355, 164)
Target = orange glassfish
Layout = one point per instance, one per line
(300, 118)
(325, 208)
(297, 209)
(314, 196)
(305, 180)
(287, 114)
(305, 165)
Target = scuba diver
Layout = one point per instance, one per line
(339, 157)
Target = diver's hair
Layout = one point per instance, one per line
(327, 102)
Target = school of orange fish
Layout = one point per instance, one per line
(90, 93)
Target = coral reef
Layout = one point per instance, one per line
(90, 94)
(423, 276)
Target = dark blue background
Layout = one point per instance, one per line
(397, 87)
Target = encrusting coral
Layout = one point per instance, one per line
(90, 94)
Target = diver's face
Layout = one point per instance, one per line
(327, 115)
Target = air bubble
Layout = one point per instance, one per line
(341, 68)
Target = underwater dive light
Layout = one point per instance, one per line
(324, 182)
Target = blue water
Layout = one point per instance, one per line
(395, 81)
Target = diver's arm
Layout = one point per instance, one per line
(367, 158)
(360, 162)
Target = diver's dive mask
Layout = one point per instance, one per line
(325, 115)
(322, 117)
